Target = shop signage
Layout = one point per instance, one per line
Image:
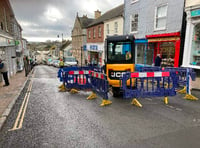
(168, 39)
(195, 13)
(93, 47)
(10, 42)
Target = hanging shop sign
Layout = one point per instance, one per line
(195, 13)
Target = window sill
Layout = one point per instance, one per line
(134, 32)
(160, 29)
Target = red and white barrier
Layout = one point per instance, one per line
(149, 74)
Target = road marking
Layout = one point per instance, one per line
(20, 117)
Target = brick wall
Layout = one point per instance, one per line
(98, 37)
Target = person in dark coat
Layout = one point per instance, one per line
(4, 71)
(26, 65)
(158, 60)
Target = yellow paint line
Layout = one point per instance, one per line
(22, 110)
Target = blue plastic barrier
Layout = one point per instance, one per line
(71, 68)
(88, 79)
(181, 73)
(78, 79)
(149, 84)
(99, 84)
(150, 69)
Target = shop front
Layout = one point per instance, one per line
(191, 56)
(8, 53)
(168, 45)
(95, 53)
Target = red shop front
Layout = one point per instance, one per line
(168, 45)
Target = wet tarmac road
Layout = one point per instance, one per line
(62, 120)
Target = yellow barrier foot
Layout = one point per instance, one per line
(182, 91)
(166, 100)
(63, 89)
(105, 102)
(191, 97)
(73, 91)
(136, 103)
(92, 96)
(60, 86)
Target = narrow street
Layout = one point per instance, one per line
(54, 119)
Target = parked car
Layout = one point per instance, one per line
(70, 61)
(55, 63)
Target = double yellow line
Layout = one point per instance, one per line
(20, 117)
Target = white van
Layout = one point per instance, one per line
(70, 61)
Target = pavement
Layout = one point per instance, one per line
(9, 95)
(196, 84)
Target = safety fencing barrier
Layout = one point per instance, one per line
(100, 86)
(184, 76)
(87, 79)
(149, 84)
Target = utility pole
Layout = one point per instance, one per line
(81, 55)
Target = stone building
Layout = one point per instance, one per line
(79, 38)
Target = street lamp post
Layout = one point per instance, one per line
(81, 55)
(61, 47)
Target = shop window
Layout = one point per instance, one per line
(150, 54)
(160, 17)
(195, 51)
(167, 51)
(140, 49)
(134, 23)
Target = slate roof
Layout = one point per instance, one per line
(113, 13)
(85, 21)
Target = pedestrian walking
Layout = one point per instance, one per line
(158, 60)
(26, 65)
(4, 71)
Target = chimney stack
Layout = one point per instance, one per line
(97, 14)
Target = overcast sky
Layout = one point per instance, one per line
(43, 20)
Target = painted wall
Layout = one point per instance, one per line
(146, 11)
(111, 24)
(189, 3)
